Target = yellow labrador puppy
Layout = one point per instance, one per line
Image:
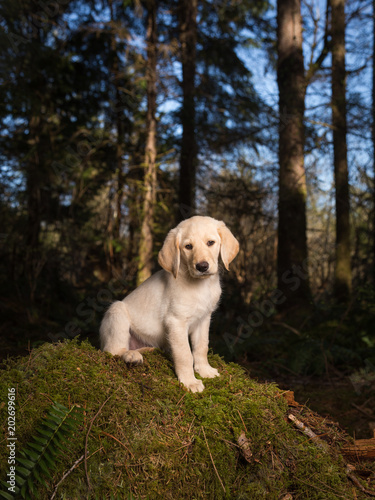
(175, 305)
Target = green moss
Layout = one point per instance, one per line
(152, 439)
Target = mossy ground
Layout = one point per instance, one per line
(152, 439)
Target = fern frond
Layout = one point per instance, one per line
(4, 494)
(39, 456)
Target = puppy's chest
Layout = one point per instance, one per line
(200, 302)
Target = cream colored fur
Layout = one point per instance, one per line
(174, 306)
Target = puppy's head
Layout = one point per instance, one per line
(195, 245)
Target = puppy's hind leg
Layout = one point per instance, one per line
(115, 334)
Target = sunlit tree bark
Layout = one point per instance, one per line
(292, 269)
(146, 240)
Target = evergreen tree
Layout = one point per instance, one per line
(71, 83)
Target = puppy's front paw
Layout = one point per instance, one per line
(194, 385)
(206, 371)
(133, 357)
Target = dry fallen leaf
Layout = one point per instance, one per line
(245, 447)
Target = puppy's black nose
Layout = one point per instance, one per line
(202, 267)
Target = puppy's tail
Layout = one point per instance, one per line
(115, 329)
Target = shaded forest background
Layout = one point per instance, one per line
(120, 118)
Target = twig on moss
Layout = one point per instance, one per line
(181, 398)
(87, 439)
(122, 444)
(143, 387)
(47, 396)
(212, 460)
(242, 420)
(77, 462)
(235, 445)
(306, 430)
(191, 425)
(183, 446)
(350, 473)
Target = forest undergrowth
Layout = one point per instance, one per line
(144, 436)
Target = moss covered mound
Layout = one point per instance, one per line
(152, 439)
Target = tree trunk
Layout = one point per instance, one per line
(342, 285)
(35, 170)
(114, 229)
(292, 270)
(33, 186)
(373, 142)
(188, 158)
(146, 240)
(37, 180)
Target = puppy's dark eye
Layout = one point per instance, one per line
(189, 246)
(210, 243)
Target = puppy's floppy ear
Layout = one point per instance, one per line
(229, 245)
(169, 255)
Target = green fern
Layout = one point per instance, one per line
(39, 456)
